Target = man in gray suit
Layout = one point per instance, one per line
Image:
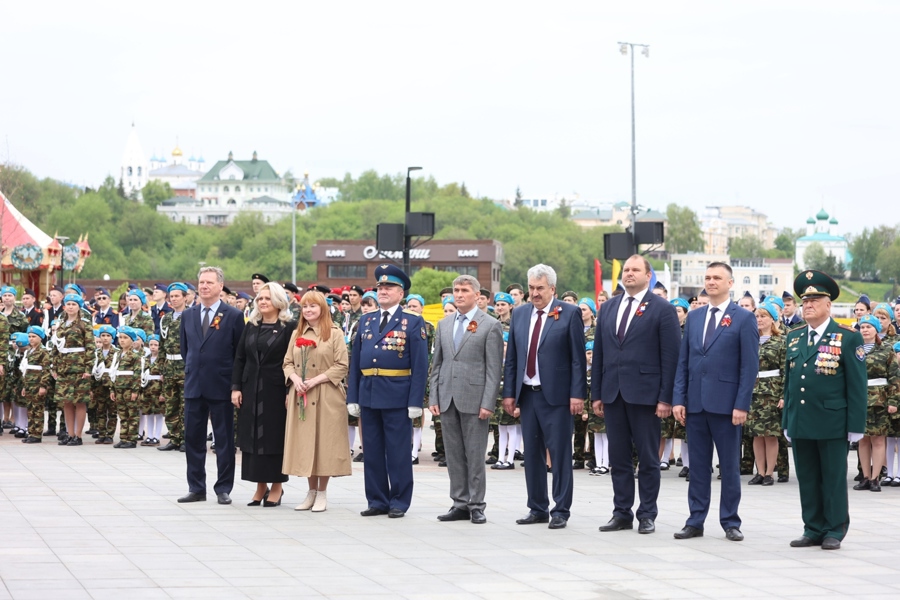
(465, 380)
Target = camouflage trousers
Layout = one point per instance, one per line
(747, 458)
(72, 388)
(581, 433)
(129, 412)
(173, 390)
(438, 437)
(35, 406)
(104, 410)
(51, 406)
(782, 465)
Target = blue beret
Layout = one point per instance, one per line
(140, 294)
(589, 346)
(590, 304)
(106, 329)
(372, 295)
(416, 297)
(129, 331)
(20, 339)
(38, 331)
(388, 274)
(73, 286)
(177, 286)
(774, 300)
(503, 297)
(885, 307)
(873, 321)
(897, 347)
(769, 307)
(448, 300)
(8, 289)
(152, 337)
(680, 302)
(74, 298)
(141, 334)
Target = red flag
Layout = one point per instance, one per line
(598, 278)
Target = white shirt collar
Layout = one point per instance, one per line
(471, 314)
(820, 330)
(639, 297)
(213, 309)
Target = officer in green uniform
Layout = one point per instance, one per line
(825, 396)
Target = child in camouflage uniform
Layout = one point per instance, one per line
(153, 401)
(127, 387)
(892, 443)
(508, 426)
(172, 366)
(764, 419)
(73, 356)
(36, 378)
(595, 423)
(18, 341)
(105, 358)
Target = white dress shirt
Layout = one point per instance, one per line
(536, 380)
(470, 316)
(638, 298)
(719, 314)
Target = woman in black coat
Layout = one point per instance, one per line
(259, 392)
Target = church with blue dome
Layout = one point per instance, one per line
(823, 230)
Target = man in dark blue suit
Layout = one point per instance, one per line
(210, 332)
(717, 369)
(385, 388)
(546, 375)
(635, 356)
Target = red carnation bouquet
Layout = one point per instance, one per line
(306, 346)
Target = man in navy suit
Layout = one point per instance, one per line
(545, 374)
(717, 369)
(635, 356)
(385, 388)
(210, 332)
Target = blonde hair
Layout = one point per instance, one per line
(325, 321)
(890, 328)
(776, 323)
(279, 300)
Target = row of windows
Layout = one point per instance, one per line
(226, 188)
(139, 171)
(359, 271)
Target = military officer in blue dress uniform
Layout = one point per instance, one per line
(386, 384)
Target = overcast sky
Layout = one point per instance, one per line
(783, 106)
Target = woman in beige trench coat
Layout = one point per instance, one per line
(317, 446)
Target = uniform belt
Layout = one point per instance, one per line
(124, 373)
(879, 381)
(154, 377)
(70, 350)
(386, 372)
(34, 368)
(533, 388)
(772, 373)
(173, 357)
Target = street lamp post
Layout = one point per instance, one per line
(407, 239)
(624, 48)
(61, 240)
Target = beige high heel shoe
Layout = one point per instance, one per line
(321, 501)
(308, 502)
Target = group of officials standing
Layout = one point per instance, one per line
(644, 369)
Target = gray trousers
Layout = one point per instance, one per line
(465, 444)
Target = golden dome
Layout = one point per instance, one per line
(177, 152)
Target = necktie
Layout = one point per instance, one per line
(460, 329)
(531, 362)
(205, 324)
(710, 327)
(812, 337)
(623, 324)
(384, 321)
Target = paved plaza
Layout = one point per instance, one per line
(95, 522)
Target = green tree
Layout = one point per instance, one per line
(888, 264)
(786, 241)
(429, 283)
(683, 233)
(814, 257)
(155, 193)
(746, 247)
(866, 248)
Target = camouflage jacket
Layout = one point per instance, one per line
(105, 363)
(151, 369)
(170, 345)
(771, 358)
(128, 361)
(882, 364)
(141, 320)
(589, 333)
(17, 320)
(77, 334)
(36, 366)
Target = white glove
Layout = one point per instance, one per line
(415, 412)
(854, 437)
(786, 436)
(353, 410)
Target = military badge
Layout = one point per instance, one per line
(860, 353)
(424, 335)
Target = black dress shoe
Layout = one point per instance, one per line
(783, 479)
(396, 513)
(557, 523)
(266, 503)
(208, 437)
(76, 441)
(455, 514)
(224, 498)
(830, 543)
(578, 464)
(165, 436)
(168, 447)
(373, 512)
(490, 460)
(733, 534)
(756, 480)
(768, 480)
(126, 445)
(874, 486)
(258, 502)
(688, 532)
(21, 434)
(63, 441)
(182, 447)
(192, 497)
(358, 457)
(531, 519)
(32, 440)
(49, 432)
(415, 461)
(684, 472)
(439, 458)
(443, 463)
(646, 525)
(864, 484)
(678, 462)
(478, 516)
(663, 466)
(519, 456)
(804, 542)
(617, 524)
